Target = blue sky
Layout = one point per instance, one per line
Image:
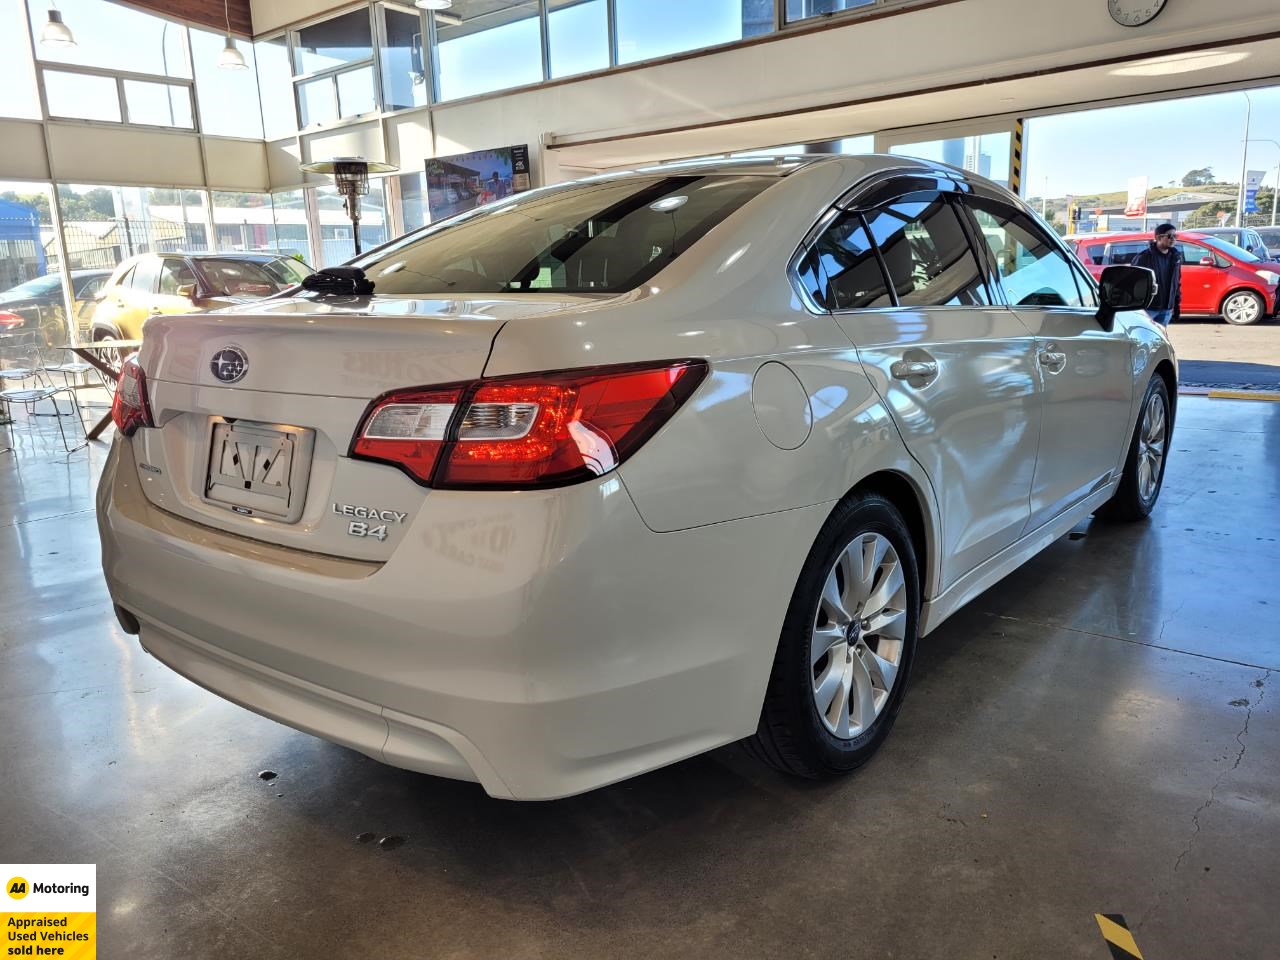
(1098, 151)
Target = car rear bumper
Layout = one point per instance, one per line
(541, 644)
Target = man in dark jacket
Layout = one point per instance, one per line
(1163, 257)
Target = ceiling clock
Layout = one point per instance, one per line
(1135, 13)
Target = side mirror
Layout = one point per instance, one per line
(1124, 288)
(1206, 261)
(187, 290)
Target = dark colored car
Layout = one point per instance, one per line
(1218, 278)
(1245, 237)
(38, 305)
(1271, 237)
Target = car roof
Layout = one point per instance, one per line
(230, 255)
(786, 165)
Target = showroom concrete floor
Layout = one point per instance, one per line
(1099, 733)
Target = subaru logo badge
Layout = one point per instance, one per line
(229, 364)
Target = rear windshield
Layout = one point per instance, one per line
(602, 237)
(1231, 250)
(239, 278)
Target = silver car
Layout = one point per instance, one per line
(611, 473)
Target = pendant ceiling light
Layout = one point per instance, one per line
(230, 58)
(433, 4)
(55, 32)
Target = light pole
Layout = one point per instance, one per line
(1244, 160)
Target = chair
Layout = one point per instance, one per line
(20, 360)
(29, 397)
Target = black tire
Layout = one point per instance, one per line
(1258, 312)
(1129, 504)
(791, 735)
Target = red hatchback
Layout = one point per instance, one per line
(1219, 279)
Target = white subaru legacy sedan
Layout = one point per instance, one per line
(611, 473)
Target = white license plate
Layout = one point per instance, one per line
(259, 469)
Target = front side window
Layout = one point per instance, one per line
(175, 273)
(1032, 270)
(927, 253)
(848, 264)
(602, 237)
(1231, 250)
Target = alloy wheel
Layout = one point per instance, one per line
(859, 635)
(1241, 308)
(1152, 441)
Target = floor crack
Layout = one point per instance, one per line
(1260, 684)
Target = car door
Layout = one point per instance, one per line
(1084, 371)
(175, 273)
(1201, 278)
(956, 371)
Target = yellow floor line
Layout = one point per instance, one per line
(1244, 395)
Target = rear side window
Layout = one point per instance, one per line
(850, 273)
(1093, 253)
(1123, 253)
(927, 253)
(174, 274)
(603, 237)
(1033, 270)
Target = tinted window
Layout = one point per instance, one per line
(607, 236)
(174, 274)
(926, 252)
(1125, 252)
(849, 267)
(1032, 270)
(1093, 253)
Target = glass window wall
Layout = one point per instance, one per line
(333, 43)
(31, 294)
(482, 46)
(82, 96)
(275, 88)
(17, 75)
(659, 28)
(404, 78)
(115, 37)
(804, 9)
(336, 242)
(578, 36)
(228, 98)
(158, 104)
(292, 236)
(414, 211)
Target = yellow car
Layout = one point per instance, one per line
(152, 284)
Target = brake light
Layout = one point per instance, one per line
(537, 430)
(130, 409)
(9, 320)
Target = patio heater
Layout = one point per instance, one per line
(351, 177)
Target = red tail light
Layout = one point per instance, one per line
(536, 430)
(9, 320)
(130, 409)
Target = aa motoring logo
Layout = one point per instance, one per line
(17, 887)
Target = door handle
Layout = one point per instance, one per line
(1052, 359)
(914, 369)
